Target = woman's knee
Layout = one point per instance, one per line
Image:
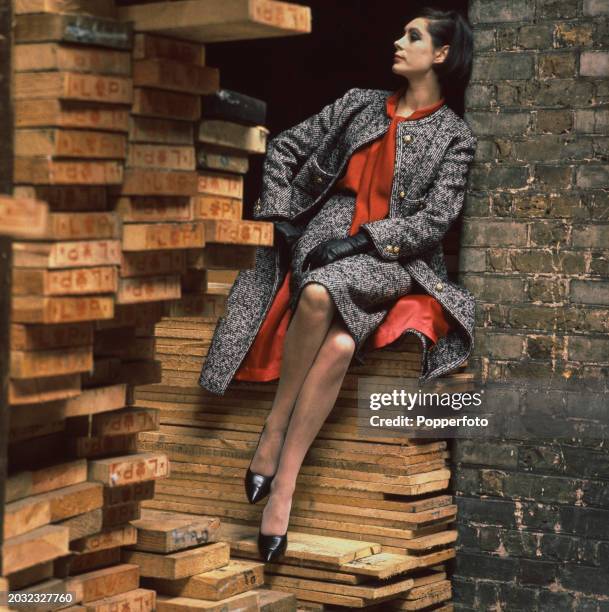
(341, 344)
(316, 297)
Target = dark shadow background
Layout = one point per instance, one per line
(351, 45)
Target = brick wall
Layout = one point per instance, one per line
(534, 514)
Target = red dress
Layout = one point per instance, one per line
(369, 175)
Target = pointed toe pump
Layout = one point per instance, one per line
(271, 547)
(257, 486)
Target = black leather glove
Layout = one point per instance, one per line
(330, 251)
(285, 236)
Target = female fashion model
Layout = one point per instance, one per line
(360, 195)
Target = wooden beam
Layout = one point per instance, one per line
(6, 186)
(219, 20)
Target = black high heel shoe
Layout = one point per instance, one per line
(257, 486)
(271, 546)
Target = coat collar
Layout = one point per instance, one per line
(374, 121)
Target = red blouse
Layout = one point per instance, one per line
(369, 176)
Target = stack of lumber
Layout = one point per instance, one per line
(75, 478)
(387, 492)
(185, 560)
(72, 85)
(155, 199)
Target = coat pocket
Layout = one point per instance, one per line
(312, 178)
(410, 206)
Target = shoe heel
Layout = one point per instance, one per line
(271, 547)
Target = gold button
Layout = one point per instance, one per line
(408, 138)
(396, 249)
(389, 248)
(439, 286)
(318, 179)
(402, 194)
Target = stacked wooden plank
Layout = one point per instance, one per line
(75, 478)
(353, 487)
(184, 559)
(219, 21)
(154, 200)
(72, 84)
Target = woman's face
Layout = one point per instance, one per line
(414, 52)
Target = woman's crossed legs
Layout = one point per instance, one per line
(316, 355)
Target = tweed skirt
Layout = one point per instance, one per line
(363, 287)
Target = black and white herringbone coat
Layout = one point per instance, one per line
(301, 167)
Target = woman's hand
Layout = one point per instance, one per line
(332, 250)
(285, 236)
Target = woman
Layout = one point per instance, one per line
(350, 246)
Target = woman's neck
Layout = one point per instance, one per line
(416, 97)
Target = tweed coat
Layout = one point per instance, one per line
(301, 166)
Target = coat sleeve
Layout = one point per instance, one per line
(286, 153)
(405, 238)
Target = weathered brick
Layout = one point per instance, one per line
(591, 121)
(466, 481)
(594, 8)
(484, 39)
(591, 236)
(464, 591)
(557, 65)
(487, 511)
(544, 147)
(599, 263)
(550, 290)
(487, 232)
(476, 205)
(500, 454)
(543, 317)
(554, 121)
(486, 566)
(549, 233)
(573, 34)
(594, 320)
(496, 289)
(547, 262)
(517, 597)
(493, 11)
(543, 347)
(565, 93)
(552, 176)
(590, 292)
(479, 95)
(472, 260)
(537, 572)
(552, 600)
(557, 9)
(592, 175)
(585, 579)
(586, 348)
(537, 36)
(594, 64)
(485, 123)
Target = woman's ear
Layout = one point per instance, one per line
(441, 54)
